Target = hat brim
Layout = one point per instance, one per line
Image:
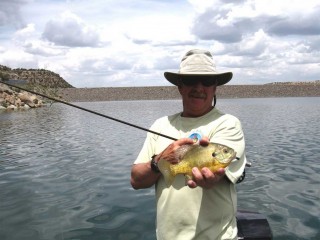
(221, 78)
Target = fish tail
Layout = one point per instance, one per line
(166, 170)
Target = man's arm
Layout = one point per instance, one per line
(142, 176)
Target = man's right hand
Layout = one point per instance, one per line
(169, 153)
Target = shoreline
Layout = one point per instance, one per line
(171, 92)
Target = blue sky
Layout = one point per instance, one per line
(117, 43)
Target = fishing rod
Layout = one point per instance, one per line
(97, 113)
(90, 111)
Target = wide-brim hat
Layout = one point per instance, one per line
(198, 64)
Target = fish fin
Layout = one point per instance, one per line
(165, 168)
(188, 177)
(181, 151)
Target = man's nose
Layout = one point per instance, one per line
(198, 84)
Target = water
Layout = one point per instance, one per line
(65, 173)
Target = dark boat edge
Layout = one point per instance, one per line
(253, 226)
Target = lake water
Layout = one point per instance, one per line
(65, 173)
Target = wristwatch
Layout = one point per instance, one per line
(154, 164)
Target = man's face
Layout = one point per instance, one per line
(197, 98)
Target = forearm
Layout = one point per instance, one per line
(142, 176)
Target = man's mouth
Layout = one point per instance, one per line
(198, 95)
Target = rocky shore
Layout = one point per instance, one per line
(12, 100)
(39, 80)
(171, 92)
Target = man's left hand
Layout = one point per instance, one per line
(205, 178)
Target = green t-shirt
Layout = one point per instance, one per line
(184, 213)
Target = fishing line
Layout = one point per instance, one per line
(90, 111)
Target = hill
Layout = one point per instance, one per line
(42, 77)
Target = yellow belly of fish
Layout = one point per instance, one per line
(185, 167)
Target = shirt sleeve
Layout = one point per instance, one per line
(229, 132)
(148, 149)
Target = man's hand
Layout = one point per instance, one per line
(169, 153)
(205, 178)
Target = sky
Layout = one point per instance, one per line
(130, 43)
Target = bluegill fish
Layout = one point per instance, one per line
(213, 156)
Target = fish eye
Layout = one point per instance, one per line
(213, 154)
(225, 150)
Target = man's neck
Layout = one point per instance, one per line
(194, 114)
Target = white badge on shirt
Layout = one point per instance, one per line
(196, 136)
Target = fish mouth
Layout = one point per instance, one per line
(233, 157)
(229, 159)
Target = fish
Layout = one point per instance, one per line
(213, 156)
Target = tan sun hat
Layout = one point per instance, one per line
(198, 63)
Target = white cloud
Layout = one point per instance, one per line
(69, 30)
(26, 32)
(27, 40)
(43, 49)
(18, 59)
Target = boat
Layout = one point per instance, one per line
(253, 226)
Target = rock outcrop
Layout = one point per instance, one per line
(39, 80)
(12, 100)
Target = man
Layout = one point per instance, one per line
(204, 207)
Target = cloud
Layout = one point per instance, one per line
(69, 30)
(207, 27)
(27, 39)
(101, 43)
(229, 24)
(160, 30)
(10, 13)
(18, 59)
(42, 49)
(232, 22)
(297, 24)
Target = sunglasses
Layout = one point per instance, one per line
(192, 82)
